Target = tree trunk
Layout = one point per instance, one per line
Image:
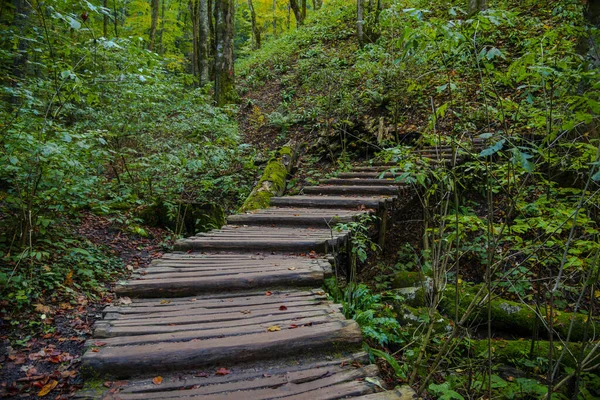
(105, 19)
(297, 12)
(154, 6)
(194, 15)
(359, 22)
(477, 5)
(20, 22)
(162, 29)
(204, 42)
(303, 10)
(275, 18)
(116, 19)
(316, 4)
(224, 73)
(255, 28)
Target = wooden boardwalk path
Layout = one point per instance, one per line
(239, 313)
(245, 299)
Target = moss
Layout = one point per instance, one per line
(272, 182)
(405, 279)
(509, 351)
(512, 316)
(197, 217)
(412, 317)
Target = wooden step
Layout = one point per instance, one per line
(288, 216)
(262, 238)
(373, 202)
(351, 190)
(213, 341)
(361, 182)
(318, 378)
(368, 175)
(173, 278)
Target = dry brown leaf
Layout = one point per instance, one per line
(157, 380)
(268, 293)
(69, 279)
(223, 371)
(292, 268)
(47, 388)
(282, 308)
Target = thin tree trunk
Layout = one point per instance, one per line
(275, 18)
(477, 5)
(224, 32)
(105, 19)
(20, 22)
(116, 21)
(303, 10)
(315, 4)
(255, 28)
(297, 12)
(194, 15)
(204, 42)
(162, 28)
(359, 22)
(154, 6)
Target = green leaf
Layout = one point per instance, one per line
(596, 176)
(74, 23)
(493, 149)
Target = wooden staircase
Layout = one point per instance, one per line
(238, 313)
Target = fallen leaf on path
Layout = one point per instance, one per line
(223, 371)
(273, 328)
(292, 268)
(157, 380)
(293, 326)
(47, 388)
(165, 301)
(282, 308)
(107, 384)
(246, 311)
(202, 374)
(99, 344)
(268, 293)
(95, 350)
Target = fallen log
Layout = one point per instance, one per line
(273, 181)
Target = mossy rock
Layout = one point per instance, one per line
(406, 279)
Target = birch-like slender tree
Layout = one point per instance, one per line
(224, 32)
(255, 27)
(154, 6)
(204, 40)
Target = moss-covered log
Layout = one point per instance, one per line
(273, 181)
(507, 315)
(507, 351)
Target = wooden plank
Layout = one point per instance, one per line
(352, 189)
(329, 201)
(122, 361)
(103, 329)
(361, 182)
(317, 245)
(181, 336)
(176, 287)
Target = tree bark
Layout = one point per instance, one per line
(360, 22)
(297, 12)
(476, 6)
(255, 28)
(194, 15)
(154, 6)
(224, 32)
(303, 10)
(204, 42)
(275, 18)
(162, 29)
(21, 22)
(105, 19)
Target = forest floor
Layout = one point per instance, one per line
(34, 362)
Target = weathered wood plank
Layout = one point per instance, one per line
(123, 361)
(176, 287)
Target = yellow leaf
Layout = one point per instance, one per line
(273, 328)
(157, 380)
(47, 388)
(597, 294)
(69, 279)
(165, 301)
